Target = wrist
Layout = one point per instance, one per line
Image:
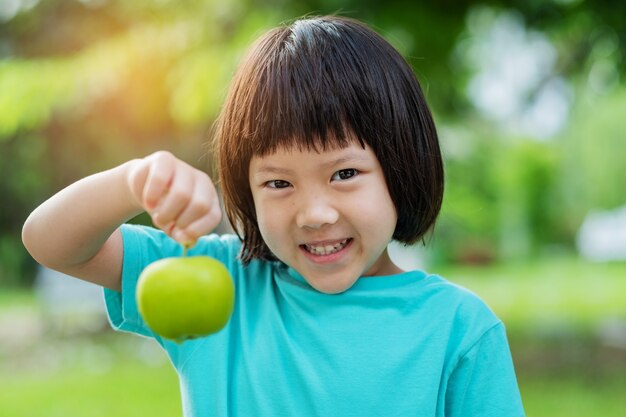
(126, 186)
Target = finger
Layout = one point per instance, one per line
(198, 228)
(178, 196)
(203, 199)
(159, 178)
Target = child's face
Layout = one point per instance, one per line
(328, 215)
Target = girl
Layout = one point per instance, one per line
(327, 151)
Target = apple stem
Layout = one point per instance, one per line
(185, 249)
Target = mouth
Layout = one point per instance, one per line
(326, 248)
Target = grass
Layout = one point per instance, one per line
(573, 395)
(557, 312)
(549, 293)
(552, 308)
(80, 378)
(136, 389)
(127, 389)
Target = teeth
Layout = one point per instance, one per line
(328, 249)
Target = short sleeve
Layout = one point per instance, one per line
(142, 246)
(483, 383)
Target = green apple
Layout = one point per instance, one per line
(186, 297)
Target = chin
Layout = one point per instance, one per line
(330, 286)
(331, 290)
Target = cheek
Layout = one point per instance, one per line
(378, 210)
(383, 219)
(381, 222)
(270, 224)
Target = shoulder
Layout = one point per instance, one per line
(464, 308)
(459, 296)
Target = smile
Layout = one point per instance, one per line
(323, 250)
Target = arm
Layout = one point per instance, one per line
(77, 232)
(483, 382)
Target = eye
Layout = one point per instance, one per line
(277, 184)
(344, 174)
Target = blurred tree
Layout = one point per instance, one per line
(86, 84)
(592, 174)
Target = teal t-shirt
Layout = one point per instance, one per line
(410, 344)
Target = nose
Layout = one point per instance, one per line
(315, 212)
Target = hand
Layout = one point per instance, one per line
(181, 199)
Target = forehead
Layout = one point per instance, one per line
(322, 142)
(291, 157)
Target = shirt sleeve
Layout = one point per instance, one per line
(142, 245)
(483, 384)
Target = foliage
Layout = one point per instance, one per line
(87, 84)
(592, 174)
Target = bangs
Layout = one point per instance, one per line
(302, 90)
(322, 84)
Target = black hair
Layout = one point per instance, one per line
(318, 83)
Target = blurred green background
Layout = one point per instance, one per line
(529, 99)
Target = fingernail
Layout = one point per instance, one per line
(180, 236)
(150, 205)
